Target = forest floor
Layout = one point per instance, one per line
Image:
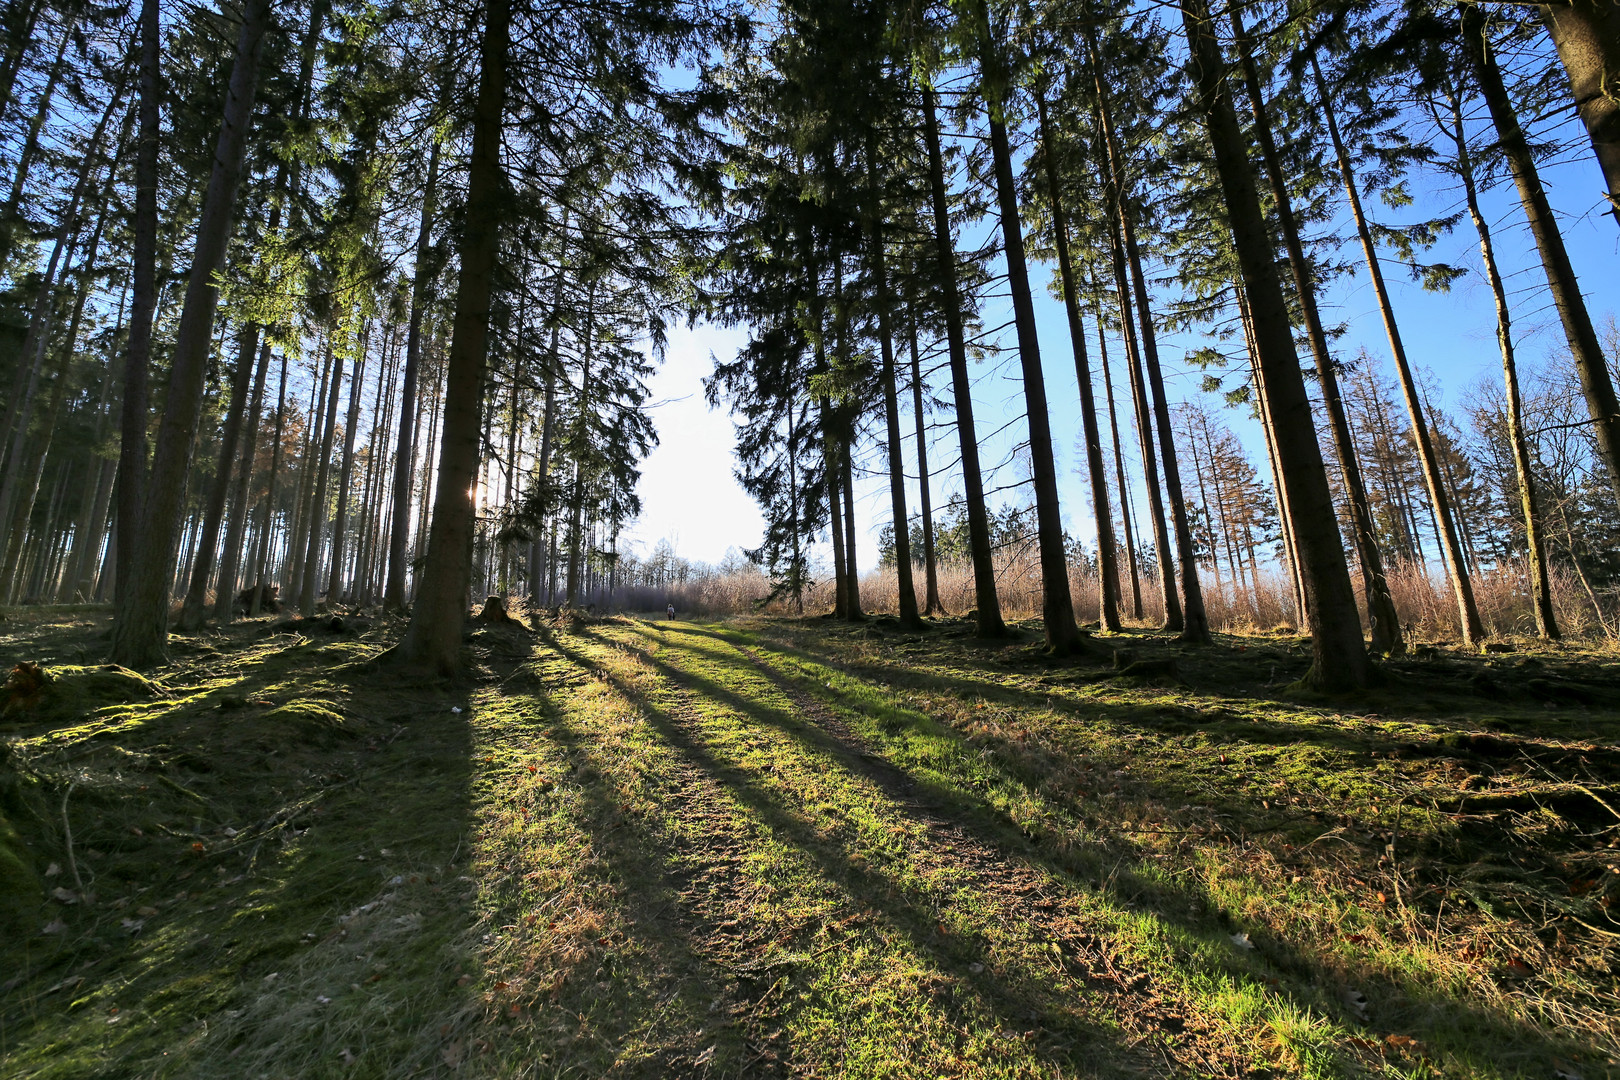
(799, 848)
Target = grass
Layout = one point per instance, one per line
(778, 847)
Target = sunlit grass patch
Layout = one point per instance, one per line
(1179, 783)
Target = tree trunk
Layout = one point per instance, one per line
(1340, 655)
(1596, 382)
(1057, 605)
(429, 448)
(297, 538)
(548, 422)
(372, 521)
(1382, 618)
(987, 609)
(231, 555)
(140, 629)
(1446, 526)
(14, 549)
(1119, 470)
(1195, 623)
(131, 483)
(1173, 620)
(1535, 540)
(931, 604)
(404, 455)
(835, 516)
(340, 521)
(260, 577)
(513, 448)
(192, 611)
(798, 578)
(79, 586)
(576, 498)
(852, 578)
(1107, 565)
(891, 402)
(315, 525)
(1296, 571)
(433, 639)
(1587, 36)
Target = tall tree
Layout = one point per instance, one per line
(1057, 606)
(1107, 570)
(1339, 653)
(404, 454)
(433, 638)
(1536, 544)
(987, 607)
(1382, 618)
(140, 628)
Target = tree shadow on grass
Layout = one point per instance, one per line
(1459, 732)
(1067, 1033)
(1443, 1021)
(611, 965)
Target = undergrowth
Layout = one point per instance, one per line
(776, 847)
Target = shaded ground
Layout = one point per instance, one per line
(773, 848)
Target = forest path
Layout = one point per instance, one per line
(750, 886)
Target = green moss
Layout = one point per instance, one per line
(71, 694)
(297, 723)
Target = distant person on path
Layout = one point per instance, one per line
(672, 611)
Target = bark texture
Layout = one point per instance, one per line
(433, 639)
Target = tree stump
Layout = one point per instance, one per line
(495, 613)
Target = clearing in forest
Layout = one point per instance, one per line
(774, 848)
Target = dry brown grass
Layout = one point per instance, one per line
(1423, 598)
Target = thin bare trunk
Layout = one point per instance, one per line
(231, 555)
(931, 604)
(1107, 565)
(1145, 437)
(1535, 541)
(316, 524)
(987, 609)
(260, 578)
(1119, 470)
(891, 401)
(340, 522)
(404, 454)
(192, 611)
(1445, 519)
(1381, 615)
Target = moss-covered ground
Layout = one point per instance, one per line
(798, 848)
